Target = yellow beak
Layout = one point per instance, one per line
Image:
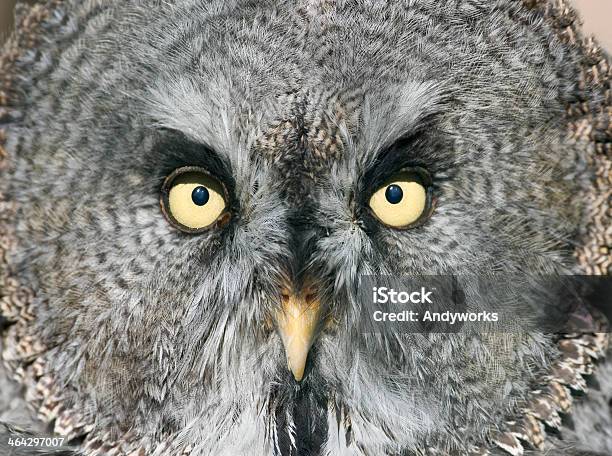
(297, 322)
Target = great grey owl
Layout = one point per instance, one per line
(192, 190)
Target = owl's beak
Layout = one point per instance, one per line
(297, 322)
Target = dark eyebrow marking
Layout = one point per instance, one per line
(427, 147)
(175, 150)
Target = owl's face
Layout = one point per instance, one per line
(202, 188)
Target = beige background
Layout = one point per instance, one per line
(597, 15)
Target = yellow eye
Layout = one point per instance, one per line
(193, 200)
(401, 201)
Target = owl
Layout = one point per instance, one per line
(192, 193)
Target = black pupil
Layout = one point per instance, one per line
(394, 194)
(200, 195)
